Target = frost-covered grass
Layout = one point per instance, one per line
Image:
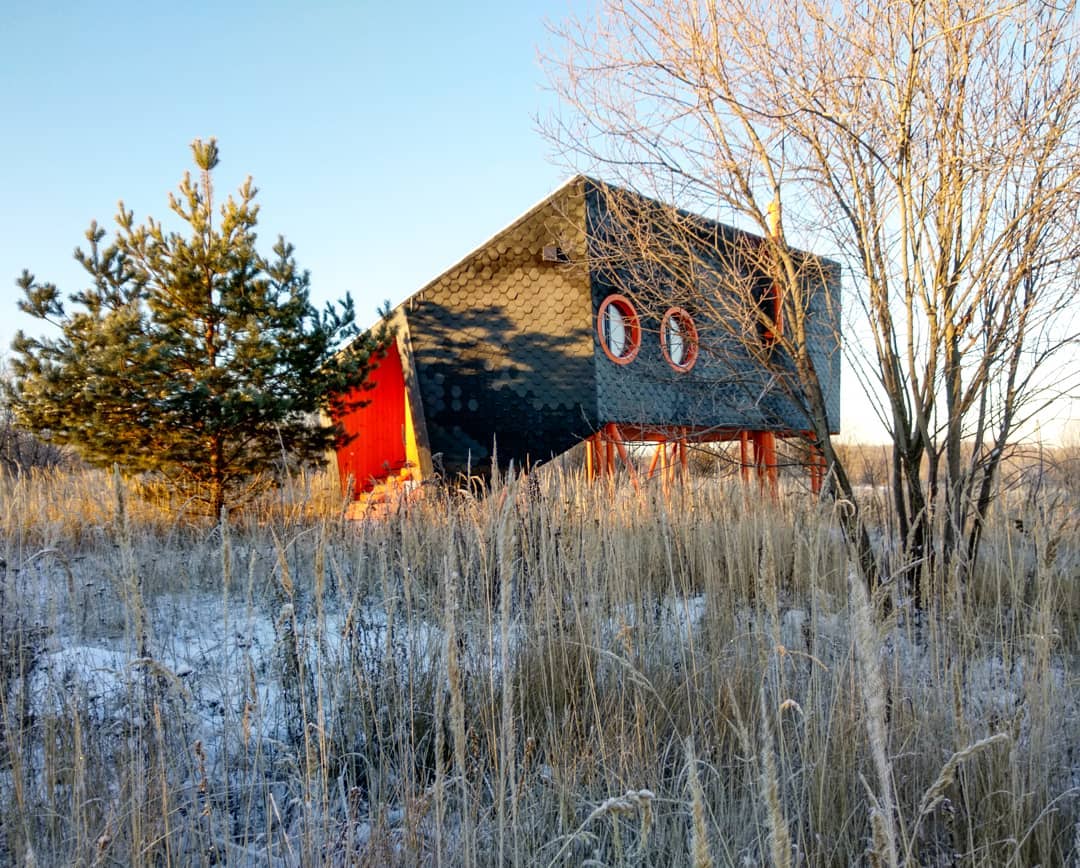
(554, 674)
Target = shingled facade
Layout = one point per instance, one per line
(525, 344)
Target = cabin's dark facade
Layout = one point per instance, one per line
(535, 342)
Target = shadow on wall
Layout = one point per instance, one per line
(525, 380)
(536, 391)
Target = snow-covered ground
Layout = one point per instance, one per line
(238, 682)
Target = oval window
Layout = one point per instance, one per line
(618, 328)
(679, 339)
(615, 330)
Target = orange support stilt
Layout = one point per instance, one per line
(765, 460)
(598, 456)
(757, 450)
(815, 462)
(620, 446)
(768, 448)
(744, 456)
(817, 468)
(655, 459)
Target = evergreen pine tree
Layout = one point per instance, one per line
(194, 356)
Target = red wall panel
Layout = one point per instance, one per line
(378, 448)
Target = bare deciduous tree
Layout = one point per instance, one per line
(932, 145)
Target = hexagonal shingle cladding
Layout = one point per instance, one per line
(510, 336)
(515, 334)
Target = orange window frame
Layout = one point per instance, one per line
(690, 337)
(631, 323)
(769, 304)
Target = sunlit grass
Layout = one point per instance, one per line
(550, 674)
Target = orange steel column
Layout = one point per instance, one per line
(768, 449)
(765, 460)
(744, 456)
(655, 458)
(620, 446)
(817, 468)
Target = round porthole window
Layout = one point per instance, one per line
(679, 339)
(619, 330)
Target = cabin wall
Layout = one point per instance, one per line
(726, 387)
(381, 440)
(504, 348)
(502, 345)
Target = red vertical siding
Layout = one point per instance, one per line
(378, 448)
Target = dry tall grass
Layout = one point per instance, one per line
(554, 674)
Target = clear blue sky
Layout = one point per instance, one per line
(386, 139)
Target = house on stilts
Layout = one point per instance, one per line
(574, 324)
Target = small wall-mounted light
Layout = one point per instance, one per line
(554, 253)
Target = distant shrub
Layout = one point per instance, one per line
(21, 451)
